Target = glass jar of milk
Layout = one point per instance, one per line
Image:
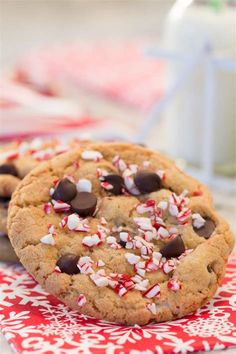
(189, 26)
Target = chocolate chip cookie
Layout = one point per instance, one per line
(117, 232)
(16, 160)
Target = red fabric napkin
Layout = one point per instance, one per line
(117, 69)
(35, 322)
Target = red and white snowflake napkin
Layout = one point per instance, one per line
(35, 322)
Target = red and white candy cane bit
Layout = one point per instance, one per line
(100, 263)
(153, 291)
(174, 285)
(184, 215)
(12, 156)
(125, 236)
(85, 265)
(81, 300)
(169, 266)
(151, 266)
(76, 165)
(119, 163)
(48, 239)
(161, 174)
(51, 229)
(92, 155)
(63, 222)
(90, 241)
(47, 208)
(103, 221)
(152, 308)
(57, 269)
(106, 186)
(55, 181)
(100, 280)
(60, 206)
(120, 290)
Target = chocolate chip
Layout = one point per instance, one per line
(147, 182)
(207, 229)
(122, 243)
(68, 264)
(4, 201)
(209, 268)
(8, 169)
(84, 203)
(174, 248)
(65, 191)
(117, 183)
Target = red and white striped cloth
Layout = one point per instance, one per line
(119, 70)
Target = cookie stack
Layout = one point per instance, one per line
(117, 232)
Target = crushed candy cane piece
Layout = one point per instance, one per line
(163, 233)
(132, 258)
(81, 300)
(103, 221)
(101, 173)
(119, 164)
(74, 222)
(125, 236)
(59, 206)
(174, 285)
(128, 176)
(85, 265)
(198, 220)
(168, 266)
(84, 185)
(143, 223)
(51, 229)
(111, 239)
(107, 186)
(152, 308)
(91, 155)
(142, 285)
(157, 255)
(51, 191)
(91, 241)
(47, 208)
(153, 291)
(99, 280)
(161, 174)
(48, 240)
(100, 263)
(57, 269)
(45, 154)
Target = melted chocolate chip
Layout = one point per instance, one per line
(122, 243)
(84, 203)
(4, 201)
(207, 229)
(8, 169)
(147, 182)
(174, 248)
(209, 268)
(65, 191)
(117, 183)
(68, 264)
